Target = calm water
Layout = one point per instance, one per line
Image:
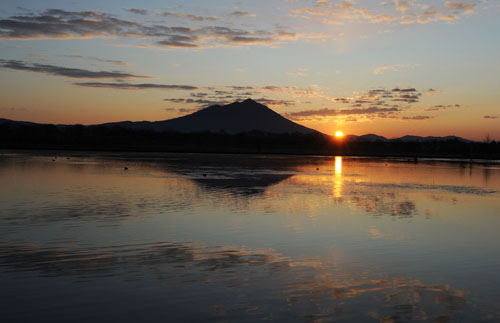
(244, 238)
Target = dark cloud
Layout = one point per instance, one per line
(179, 41)
(56, 23)
(273, 88)
(490, 117)
(241, 14)
(342, 100)
(343, 112)
(417, 118)
(404, 89)
(202, 102)
(460, 7)
(63, 71)
(181, 110)
(111, 61)
(266, 101)
(187, 16)
(239, 88)
(408, 98)
(132, 86)
(225, 97)
(136, 11)
(441, 107)
(199, 94)
(61, 24)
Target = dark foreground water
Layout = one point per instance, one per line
(242, 238)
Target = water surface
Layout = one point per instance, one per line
(164, 237)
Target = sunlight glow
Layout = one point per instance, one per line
(339, 134)
(338, 165)
(337, 180)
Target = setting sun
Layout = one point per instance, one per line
(339, 134)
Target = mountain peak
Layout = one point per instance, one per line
(250, 101)
(237, 117)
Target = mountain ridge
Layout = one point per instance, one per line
(233, 118)
(239, 117)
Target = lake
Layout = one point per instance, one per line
(204, 237)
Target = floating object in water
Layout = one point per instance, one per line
(204, 175)
(125, 168)
(317, 168)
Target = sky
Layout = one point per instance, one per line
(392, 68)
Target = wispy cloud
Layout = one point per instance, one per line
(187, 16)
(326, 112)
(417, 118)
(135, 86)
(440, 107)
(61, 24)
(465, 7)
(137, 11)
(111, 61)
(402, 11)
(394, 68)
(241, 14)
(490, 117)
(64, 71)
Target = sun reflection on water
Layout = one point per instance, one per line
(337, 181)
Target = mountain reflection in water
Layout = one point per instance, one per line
(228, 237)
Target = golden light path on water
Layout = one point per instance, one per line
(337, 183)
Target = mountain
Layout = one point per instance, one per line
(233, 118)
(430, 138)
(366, 138)
(408, 138)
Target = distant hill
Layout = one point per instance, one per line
(366, 138)
(237, 117)
(408, 138)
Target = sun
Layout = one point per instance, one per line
(339, 134)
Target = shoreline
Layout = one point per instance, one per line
(157, 153)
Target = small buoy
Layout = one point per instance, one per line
(125, 168)
(317, 168)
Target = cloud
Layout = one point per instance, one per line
(136, 11)
(408, 98)
(343, 112)
(266, 101)
(311, 12)
(395, 68)
(134, 86)
(417, 118)
(404, 6)
(410, 89)
(178, 41)
(187, 16)
(490, 117)
(241, 14)
(460, 6)
(111, 61)
(61, 24)
(441, 107)
(404, 12)
(64, 71)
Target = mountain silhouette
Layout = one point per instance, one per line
(237, 117)
(407, 138)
